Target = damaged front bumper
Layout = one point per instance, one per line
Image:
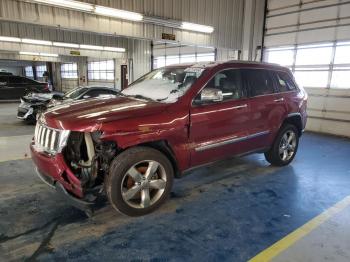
(54, 172)
(74, 201)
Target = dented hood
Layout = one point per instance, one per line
(89, 114)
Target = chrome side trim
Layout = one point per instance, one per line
(241, 106)
(230, 141)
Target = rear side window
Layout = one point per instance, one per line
(15, 80)
(258, 82)
(285, 82)
(28, 81)
(3, 80)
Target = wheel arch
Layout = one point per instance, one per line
(295, 119)
(164, 147)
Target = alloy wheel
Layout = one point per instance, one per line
(143, 184)
(287, 145)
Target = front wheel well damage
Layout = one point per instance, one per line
(295, 120)
(164, 147)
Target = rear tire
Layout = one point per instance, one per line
(284, 147)
(139, 181)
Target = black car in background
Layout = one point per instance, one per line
(34, 103)
(13, 87)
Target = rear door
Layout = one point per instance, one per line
(288, 91)
(219, 129)
(267, 106)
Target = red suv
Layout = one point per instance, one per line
(168, 121)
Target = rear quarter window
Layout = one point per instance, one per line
(285, 82)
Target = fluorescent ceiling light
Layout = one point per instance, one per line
(46, 54)
(28, 53)
(10, 39)
(114, 49)
(37, 54)
(36, 42)
(61, 44)
(68, 4)
(112, 12)
(197, 27)
(92, 47)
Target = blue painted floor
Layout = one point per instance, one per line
(229, 211)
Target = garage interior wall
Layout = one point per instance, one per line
(233, 20)
(312, 38)
(237, 34)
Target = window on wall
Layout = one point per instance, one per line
(101, 70)
(161, 61)
(28, 71)
(314, 55)
(69, 71)
(40, 70)
(283, 56)
(325, 65)
(205, 57)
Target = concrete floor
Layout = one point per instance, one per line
(229, 211)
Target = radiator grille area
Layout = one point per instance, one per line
(46, 139)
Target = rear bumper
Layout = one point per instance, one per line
(53, 170)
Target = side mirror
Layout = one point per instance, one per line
(86, 96)
(210, 94)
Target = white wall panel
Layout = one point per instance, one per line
(314, 36)
(318, 14)
(325, 21)
(273, 4)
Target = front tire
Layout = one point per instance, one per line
(284, 147)
(139, 181)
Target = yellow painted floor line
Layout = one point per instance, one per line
(271, 252)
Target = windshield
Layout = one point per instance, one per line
(75, 92)
(164, 85)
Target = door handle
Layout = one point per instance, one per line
(240, 106)
(279, 100)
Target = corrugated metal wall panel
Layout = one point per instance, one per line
(224, 15)
(140, 53)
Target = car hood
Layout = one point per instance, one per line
(89, 114)
(37, 97)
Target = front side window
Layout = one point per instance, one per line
(99, 93)
(258, 81)
(164, 85)
(229, 82)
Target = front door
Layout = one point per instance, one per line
(218, 129)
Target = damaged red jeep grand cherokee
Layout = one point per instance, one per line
(168, 121)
